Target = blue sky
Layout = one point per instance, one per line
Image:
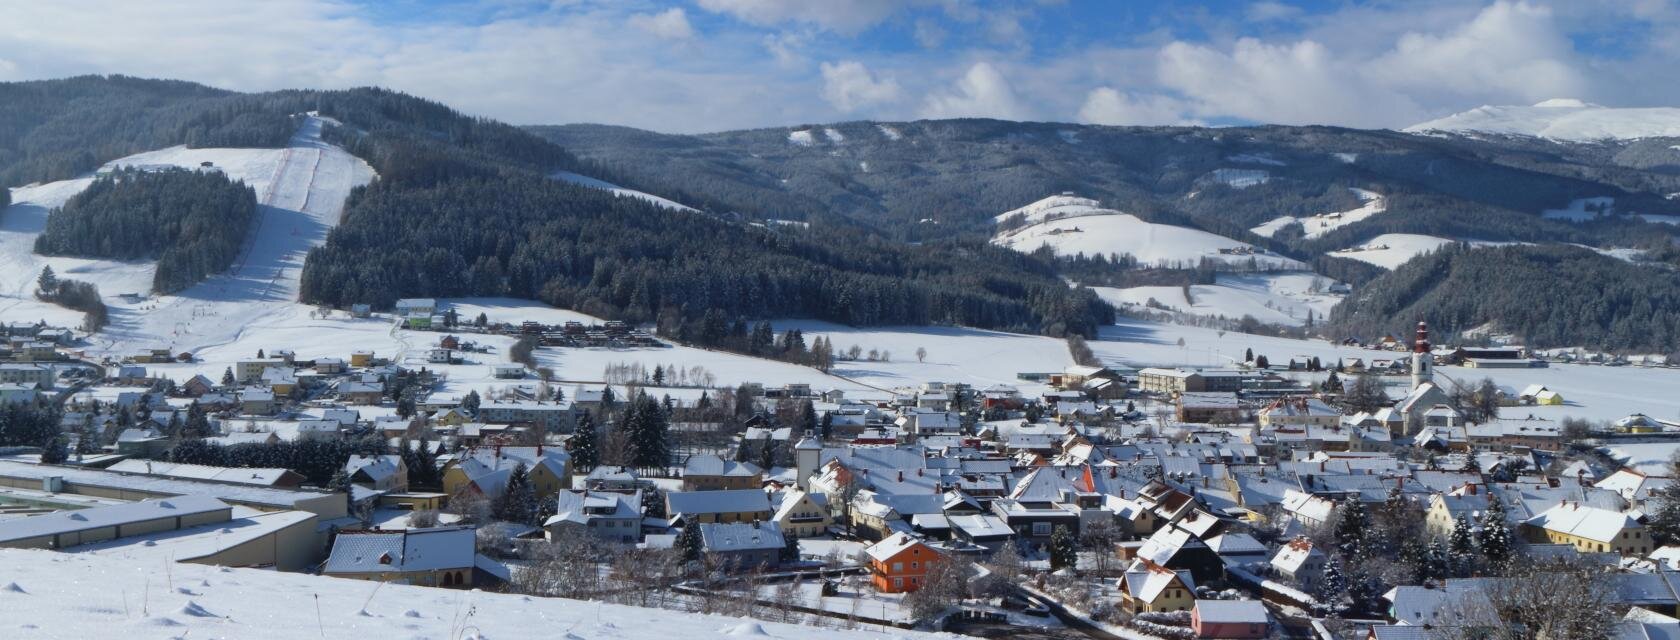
(707, 65)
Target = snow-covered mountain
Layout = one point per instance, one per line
(1562, 119)
(1071, 225)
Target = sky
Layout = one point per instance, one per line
(688, 66)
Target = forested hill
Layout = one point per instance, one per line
(1547, 296)
(902, 177)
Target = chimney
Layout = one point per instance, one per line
(901, 476)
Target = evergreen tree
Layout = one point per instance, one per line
(807, 418)
(227, 377)
(471, 402)
(790, 548)
(55, 452)
(518, 502)
(693, 546)
(1064, 553)
(340, 483)
(1332, 586)
(1248, 355)
(585, 444)
(1352, 526)
(767, 454)
(47, 283)
(1332, 384)
(1462, 545)
(1494, 539)
(826, 428)
(658, 376)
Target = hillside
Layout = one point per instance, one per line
(1561, 119)
(1547, 296)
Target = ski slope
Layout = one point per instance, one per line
(1317, 226)
(1275, 298)
(301, 191)
(580, 179)
(1072, 226)
(1561, 119)
(49, 594)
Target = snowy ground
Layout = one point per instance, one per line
(1273, 298)
(48, 595)
(587, 181)
(1071, 226)
(1649, 458)
(301, 189)
(1562, 119)
(973, 356)
(1391, 250)
(1316, 226)
(1593, 392)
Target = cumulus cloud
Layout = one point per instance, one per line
(982, 92)
(1106, 105)
(671, 24)
(850, 86)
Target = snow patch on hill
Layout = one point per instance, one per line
(587, 181)
(1257, 158)
(1071, 225)
(1583, 209)
(1284, 298)
(1561, 119)
(1240, 178)
(834, 135)
(889, 132)
(1391, 250)
(802, 138)
(1317, 226)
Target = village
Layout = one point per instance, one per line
(1257, 500)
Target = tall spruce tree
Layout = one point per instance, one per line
(585, 444)
(1064, 553)
(518, 502)
(1494, 539)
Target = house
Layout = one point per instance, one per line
(980, 529)
(484, 471)
(1041, 501)
(802, 514)
(416, 307)
(439, 356)
(612, 478)
(1589, 529)
(40, 376)
(1444, 510)
(549, 418)
(900, 563)
(358, 392)
(252, 370)
(70, 528)
(361, 310)
(616, 517)
(330, 366)
(256, 402)
(1147, 587)
(1538, 394)
(508, 371)
(743, 546)
(198, 386)
(361, 358)
(727, 505)
(1175, 381)
(142, 443)
(712, 473)
(131, 374)
(435, 557)
(1300, 561)
(380, 473)
(282, 381)
(11, 393)
(1230, 619)
(1209, 407)
(1299, 412)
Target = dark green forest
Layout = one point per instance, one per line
(1548, 296)
(192, 222)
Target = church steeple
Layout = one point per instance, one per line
(1420, 356)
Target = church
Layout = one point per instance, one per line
(1424, 395)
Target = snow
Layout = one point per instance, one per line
(1582, 209)
(977, 357)
(1390, 250)
(1257, 158)
(1071, 225)
(608, 186)
(1649, 458)
(1069, 136)
(53, 601)
(1345, 158)
(834, 135)
(1317, 226)
(1277, 298)
(802, 138)
(889, 132)
(1591, 392)
(1240, 178)
(1660, 219)
(1561, 119)
(301, 188)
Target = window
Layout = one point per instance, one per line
(897, 567)
(1041, 528)
(915, 565)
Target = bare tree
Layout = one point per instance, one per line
(921, 354)
(944, 586)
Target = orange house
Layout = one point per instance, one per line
(900, 563)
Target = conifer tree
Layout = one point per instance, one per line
(518, 502)
(227, 376)
(1064, 554)
(1462, 545)
(585, 444)
(790, 548)
(690, 542)
(1495, 538)
(1332, 586)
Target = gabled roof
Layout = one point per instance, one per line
(1587, 522)
(741, 536)
(1291, 557)
(403, 551)
(710, 465)
(892, 545)
(1146, 580)
(1232, 611)
(728, 501)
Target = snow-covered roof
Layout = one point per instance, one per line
(240, 475)
(1294, 555)
(402, 551)
(1145, 580)
(1232, 612)
(741, 536)
(891, 546)
(62, 522)
(235, 493)
(710, 465)
(981, 525)
(726, 501)
(1587, 522)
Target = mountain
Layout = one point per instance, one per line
(1561, 119)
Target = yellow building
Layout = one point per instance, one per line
(1589, 529)
(485, 470)
(1444, 511)
(1147, 586)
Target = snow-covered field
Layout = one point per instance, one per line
(1649, 458)
(1583, 209)
(61, 595)
(587, 181)
(1316, 226)
(1071, 226)
(1561, 119)
(977, 357)
(301, 189)
(1592, 392)
(1391, 250)
(1273, 298)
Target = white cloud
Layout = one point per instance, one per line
(1268, 10)
(1107, 105)
(982, 92)
(1508, 51)
(671, 24)
(850, 86)
(840, 16)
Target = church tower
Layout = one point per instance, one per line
(1421, 360)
